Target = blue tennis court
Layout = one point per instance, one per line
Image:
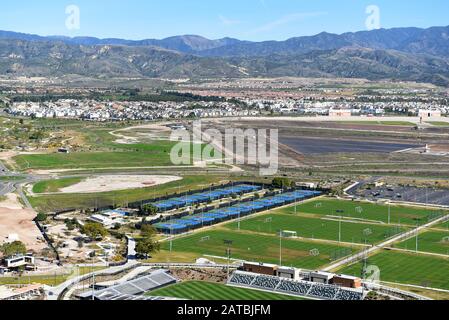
(204, 197)
(233, 212)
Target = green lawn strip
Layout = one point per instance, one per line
(430, 241)
(51, 280)
(55, 185)
(399, 214)
(197, 290)
(92, 160)
(439, 123)
(110, 155)
(256, 247)
(444, 225)
(406, 268)
(316, 228)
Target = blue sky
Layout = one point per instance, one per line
(244, 19)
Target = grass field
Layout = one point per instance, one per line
(62, 201)
(55, 185)
(439, 123)
(252, 247)
(444, 225)
(399, 214)
(197, 290)
(93, 160)
(431, 241)
(317, 228)
(407, 268)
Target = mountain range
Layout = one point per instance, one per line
(412, 54)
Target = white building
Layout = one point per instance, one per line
(429, 114)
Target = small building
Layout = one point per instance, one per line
(289, 273)
(428, 114)
(307, 185)
(347, 281)
(340, 113)
(64, 150)
(19, 261)
(261, 268)
(105, 221)
(321, 277)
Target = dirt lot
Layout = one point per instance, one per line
(14, 220)
(118, 182)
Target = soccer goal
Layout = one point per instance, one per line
(204, 239)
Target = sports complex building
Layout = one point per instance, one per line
(233, 211)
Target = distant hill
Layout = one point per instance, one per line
(403, 53)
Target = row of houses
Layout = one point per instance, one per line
(122, 111)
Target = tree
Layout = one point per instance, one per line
(280, 182)
(41, 217)
(13, 248)
(147, 246)
(149, 209)
(147, 230)
(94, 230)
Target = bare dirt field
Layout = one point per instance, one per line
(137, 134)
(16, 221)
(118, 182)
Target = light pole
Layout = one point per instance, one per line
(228, 253)
(280, 247)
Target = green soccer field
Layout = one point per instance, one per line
(431, 241)
(367, 211)
(316, 228)
(443, 226)
(254, 247)
(407, 268)
(197, 290)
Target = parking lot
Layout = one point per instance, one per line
(406, 194)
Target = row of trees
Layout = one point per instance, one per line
(13, 248)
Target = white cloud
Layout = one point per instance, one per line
(228, 22)
(286, 20)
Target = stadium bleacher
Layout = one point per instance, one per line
(266, 282)
(323, 291)
(240, 278)
(293, 287)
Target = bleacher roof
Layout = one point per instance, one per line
(139, 286)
